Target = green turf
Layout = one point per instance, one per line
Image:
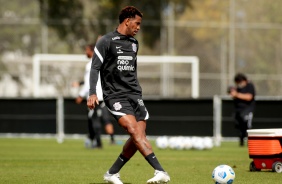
(46, 161)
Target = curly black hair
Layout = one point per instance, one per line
(129, 12)
(239, 77)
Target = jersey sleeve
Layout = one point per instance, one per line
(99, 91)
(251, 89)
(100, 52)
(85, 88)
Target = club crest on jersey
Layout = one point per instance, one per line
(117, 106)
(134, 47)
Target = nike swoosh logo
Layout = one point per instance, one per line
(118, 47)
(120, 158)
(154, 157)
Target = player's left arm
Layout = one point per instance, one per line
(244, 96)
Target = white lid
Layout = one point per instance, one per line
(265, 132)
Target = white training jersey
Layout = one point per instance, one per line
(85, 89)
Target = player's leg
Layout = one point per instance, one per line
(97, 126)
(241, 127)
(109, 128)
(242, 133)
(90, 142)
(249, 119)
(106, 118)
(141, 114)
(112, 175)
(123, 112)
(98, 131)
(137, 132)
(246, 124)
(129, 149)
(137, 141)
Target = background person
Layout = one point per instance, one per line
(244, 102)
(98, 115)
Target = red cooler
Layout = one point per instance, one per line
(265, 148)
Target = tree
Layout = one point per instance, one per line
(66, 17)
(78, 20)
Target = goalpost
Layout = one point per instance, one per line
(37, 61)
(164, 69)
(193, 60)
(163, 60)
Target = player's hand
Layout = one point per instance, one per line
(233, 93)
(78, 100)
(75, 84)
(92, 101)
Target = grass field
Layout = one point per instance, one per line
(46, 161)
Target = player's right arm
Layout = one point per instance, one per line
(243, 96)
(100, 51)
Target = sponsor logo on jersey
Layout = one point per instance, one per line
(125, 68)
(124, 65)
(122, 62)
(116, 38)
(125, 57)
(134, 47)
(117, 106)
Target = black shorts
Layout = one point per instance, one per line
(100, 113)
(106, 116)
(129, 105)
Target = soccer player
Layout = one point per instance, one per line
(101, 113)
(116, 59)
(244, 103)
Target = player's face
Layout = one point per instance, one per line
(88, 52)
(241, 84)
(133, 25)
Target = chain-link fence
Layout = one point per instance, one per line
(228, 36)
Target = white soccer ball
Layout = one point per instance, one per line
(162, 142)
(197, 143)
(172, 142)
(223, 174)
(208, 142)
(179, 143)
(187, 143)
